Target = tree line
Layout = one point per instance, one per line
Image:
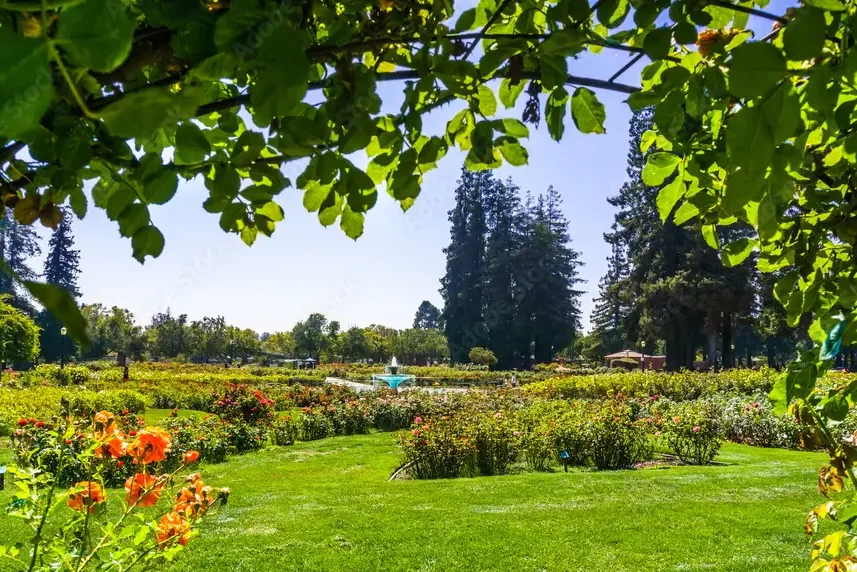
(511, 273)
(667, 291)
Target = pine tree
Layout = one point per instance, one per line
(611, 309)
(503, 211)
(18, 244)
(462, 285)
(61, 269)
(62, 266)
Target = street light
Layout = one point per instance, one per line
(643, 356)
(63, 331)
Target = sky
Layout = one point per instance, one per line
(383, 276)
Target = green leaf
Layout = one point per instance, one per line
(555, 113)
(768, 227)
(272, 211)
(161, 188)
(685, 212)
(588, 113)
(611, 13)
(96, 34)
(248, 234)
(62, 306)
(797, 382)
(139, 115)
(27, 87)
(658, 167)
(782, 112)
(669, 114)
(509, 93)
(133, 218)
(709, 233)
(563, 42)
(737, 251)
(656, 44)
(147, 241)
(487, 103)
(191, 144)
(554, 70)
(803, 38)
(669, 196)
(749, 140)
(511, 127)
(829, 5)
(755, 68)
(512, 151)
(77, 201)
(283, 81)
(466, 21)
(352, 223)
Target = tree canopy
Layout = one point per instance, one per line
(111, 104)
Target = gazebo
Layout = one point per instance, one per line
(646, 361)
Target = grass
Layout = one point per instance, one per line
(327, 505)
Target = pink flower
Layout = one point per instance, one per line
(418, 420)
(696, 429)
(416, 432)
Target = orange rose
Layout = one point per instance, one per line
(173, 525)
(85, 495)
(105, 422)
(191, 457)
(194, 498)
(113, 446)
(144, 490)
(150, 446)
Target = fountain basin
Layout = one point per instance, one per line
(393, 380)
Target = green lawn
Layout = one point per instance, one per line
(327, 506)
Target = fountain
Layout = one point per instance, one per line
(391, 375)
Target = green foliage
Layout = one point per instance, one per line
(482, 356)
(19, 335)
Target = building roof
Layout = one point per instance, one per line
(630, 354)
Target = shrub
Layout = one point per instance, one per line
(482, 356)
(207, 435)
(692, 433)
(497, 442)
(614, 439)
(284, 431)
(74, 528)
(238, 402)
(438, 449)
(314, 424)
(62, 376)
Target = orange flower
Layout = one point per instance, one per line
(85, 495)
(105, 422)
(194, 498)
(144, 490)
(191, 457)
(173, 525)
(114, 446)
(150, 446)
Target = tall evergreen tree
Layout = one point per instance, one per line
(611, 308)
(19, 243)
(62, 268)
(503, 216)
(427, 317)
(462, 285)
(678, 289)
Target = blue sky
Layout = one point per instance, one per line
(380, 278)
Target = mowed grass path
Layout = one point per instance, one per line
(327, 506)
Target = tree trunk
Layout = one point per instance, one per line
(727, 341)
(711, 338)
(749, 358)
(771, 362)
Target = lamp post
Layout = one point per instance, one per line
(63, 331)
(733, 356)
(643, 356)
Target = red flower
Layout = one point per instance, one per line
(696, 429)
(40, 424)
(22, 422)
(191, 457)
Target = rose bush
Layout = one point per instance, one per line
(156, 517)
